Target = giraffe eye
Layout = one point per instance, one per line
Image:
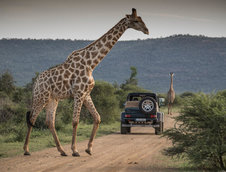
(135, 21)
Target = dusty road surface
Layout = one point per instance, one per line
(136, 152)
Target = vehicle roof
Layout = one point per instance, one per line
(141, 94)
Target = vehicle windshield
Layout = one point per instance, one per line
(140, 96)
(135, 98)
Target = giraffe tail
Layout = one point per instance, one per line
(28, 116)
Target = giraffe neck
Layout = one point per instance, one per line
(171, 84)
(94, 53)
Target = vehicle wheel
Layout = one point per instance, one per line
(128, 129)
(162, 126)
(124, 130)
(159, 130)
(147, 105)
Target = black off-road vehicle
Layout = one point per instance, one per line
(142, 110)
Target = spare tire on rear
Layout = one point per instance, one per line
(147, 105)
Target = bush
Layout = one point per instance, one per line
(65, 111)
(104, 98)
(200, 134)
(187, 94)
(7, 83)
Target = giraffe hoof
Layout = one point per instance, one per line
(76, 154)
(63, 154)
(88, 151)
(27, 153)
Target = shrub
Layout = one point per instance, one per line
(200, 133)
(20, 132)
(187, 94)
(104, 98)
(65, 111)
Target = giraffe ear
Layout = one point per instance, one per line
(134, 13)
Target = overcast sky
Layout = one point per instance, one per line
(89, 19)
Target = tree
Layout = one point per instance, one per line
(200, 133)
(132, 79)
(7, 83)
(130, 85)
(29, 86)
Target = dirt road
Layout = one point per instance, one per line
(139, 151)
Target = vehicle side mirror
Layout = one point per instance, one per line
(161, 102)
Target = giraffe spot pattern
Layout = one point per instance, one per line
(104, 39)
(96, 61)
(82, 73)
(103, 51)
(87, 55)
(78, 80)
(82, 53)
(76, 73)
(83, 62)
(73, 65)
(94, 54)
(66, 74)
(84, 79)
(115, 32)
(77, 58)
(99, 45)
(108, 44)
(71, 70)
(66, 66)
(89, 62)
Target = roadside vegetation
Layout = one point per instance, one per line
(199, 136)
(200, 131)
(16, 101)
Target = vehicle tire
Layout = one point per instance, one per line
(124, 130)
(128, 129)
(162, 127)
(147, 105)
(159, 130)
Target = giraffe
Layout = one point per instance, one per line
(74, 78)
(171, 95)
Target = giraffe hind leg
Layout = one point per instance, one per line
(90, 106)
(26, 148)
(31, 118)
(78, 101)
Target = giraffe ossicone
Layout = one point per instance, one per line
(74, 78)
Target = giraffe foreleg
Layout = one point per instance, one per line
(171, 107)
(168, 108)
(90, 106)
(50, 121)
(78, 101)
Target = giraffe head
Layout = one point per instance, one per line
(171, 73)
(136, 22)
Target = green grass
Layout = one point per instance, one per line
(41, 139)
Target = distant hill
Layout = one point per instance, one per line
(199, 63)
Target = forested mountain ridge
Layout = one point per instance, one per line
(199, 63)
